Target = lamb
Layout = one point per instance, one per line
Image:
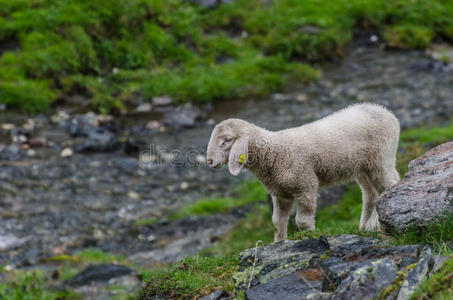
(357, 143)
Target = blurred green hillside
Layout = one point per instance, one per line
(113, 51)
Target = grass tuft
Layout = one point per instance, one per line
(248, 192)
(191, 278)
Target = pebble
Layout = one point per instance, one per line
(67, 152)
(144, 107)
(162, 101)
(38, 142)
(59, 116)
(153, 124)
(184, 185)
(133, 195)
(31, 152)
(7, 127)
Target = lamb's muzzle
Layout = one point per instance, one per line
(357, 143)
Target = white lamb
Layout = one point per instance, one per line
(357, 143)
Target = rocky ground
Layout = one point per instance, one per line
(335, 267)
(73, 179)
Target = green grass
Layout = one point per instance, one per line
(436, 233)
(191, 278)
(115, 51)
(414, 143)
(247, 192)
(89, 255)
(22, 285)
(438, 286)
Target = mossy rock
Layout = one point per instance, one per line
(408, 36)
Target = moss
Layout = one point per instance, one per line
(148, 221)
(191, 278)
(408, 36)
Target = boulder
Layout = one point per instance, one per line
(334, 267)
(423, 196)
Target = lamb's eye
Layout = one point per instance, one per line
(228, 139)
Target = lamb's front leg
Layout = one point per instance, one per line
(280, 217)
(306, 210)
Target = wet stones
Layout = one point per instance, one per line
(423, 196)
(96, 133)
(185, 116)
(334, 267)
(209, 3)
(96, 281)
(98, 273)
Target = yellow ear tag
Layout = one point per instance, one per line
(241, 159)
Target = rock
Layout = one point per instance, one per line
(152, 125)
(67, 152)
(209, 3)
(280, 97)
(423, 196)
(38, 142)
(183, 116)
(134, 146)
(98, 273)
(10, 241)
(216, 295)
(162, 101)
(7, 127)
(11, 152)
(59, 117)
(184, 185)
(144, 107)
(334, 267)
(367, 281)
(414, 277)
(295, 286)
(99, 140)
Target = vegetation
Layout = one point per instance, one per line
(191, 278)
(114, 51)
(438, 286)
(22, 285)
(247, 192)
(41, 284)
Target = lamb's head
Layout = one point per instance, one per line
(229, 144)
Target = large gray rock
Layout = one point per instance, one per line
(334, 267)
(424, 195)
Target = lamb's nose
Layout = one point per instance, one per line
(210, 161)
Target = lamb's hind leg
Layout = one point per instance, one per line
(280, 216)
(369, 218)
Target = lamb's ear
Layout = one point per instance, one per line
(238, 155)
